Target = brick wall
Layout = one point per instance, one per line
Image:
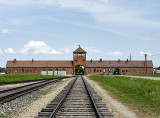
(89, 71)
(122, 71)
(79, 61)
(69, 71)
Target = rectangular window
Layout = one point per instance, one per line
(9, 70)
(97, 70)
(16, 70)
(79, 54)
(104, 70)
(89, 70)
(22, 70)
(94, 70)
(35, 70)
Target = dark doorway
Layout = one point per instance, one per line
(116, 71)
(79, 70)
(113, 71)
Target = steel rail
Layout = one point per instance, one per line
(92, 100)
(62, 100)
(11, 89)
(38, 81)
(14, 95)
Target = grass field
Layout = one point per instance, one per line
(140, 94)
(149, 75)
(13, 78)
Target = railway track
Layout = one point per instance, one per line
(77, 100)
(10, 94)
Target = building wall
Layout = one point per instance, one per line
(130, 71)
(79, 61)
(122, 71)
(69, 71)
(89, 71)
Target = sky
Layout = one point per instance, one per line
(53, 29)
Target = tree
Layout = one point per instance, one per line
(2, 70)
(79, 70)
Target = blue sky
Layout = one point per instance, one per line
(53, 29)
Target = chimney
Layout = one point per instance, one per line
(100, 60)
(91, 60)
(14, 60)
(118, 60)
(127, 60)
(32, 60)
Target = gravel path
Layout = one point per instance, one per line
(28, 106)
(4, 87)
(118, 109)
(152, 78)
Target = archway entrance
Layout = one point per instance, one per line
(79, 70)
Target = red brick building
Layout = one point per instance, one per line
(98, 67)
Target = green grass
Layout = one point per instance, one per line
(16, 77)
(141, 94)
(148, 75)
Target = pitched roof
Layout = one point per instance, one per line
(39, 64)
(122, 63)
(79, 50)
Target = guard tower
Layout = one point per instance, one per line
(79, 58)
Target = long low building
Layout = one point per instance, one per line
(97, 67)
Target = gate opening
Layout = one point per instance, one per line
(79, 70)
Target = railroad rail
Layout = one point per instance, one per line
(12, 93)
(77, 100)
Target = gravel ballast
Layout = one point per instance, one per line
(9, 86)
(29, 105)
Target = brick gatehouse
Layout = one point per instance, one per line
(97, 67)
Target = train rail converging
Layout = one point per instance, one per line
(10, 94)
(77, 100)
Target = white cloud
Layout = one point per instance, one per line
(114, 53)
(104, 1)
(68, 49)
(5, 31)
(9, 51)
(148, 38)
(1, 52)
(100, 10)
(143, 53)
(38, 47)
(92, 50)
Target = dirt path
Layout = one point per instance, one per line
(143, 77)
(118, 109)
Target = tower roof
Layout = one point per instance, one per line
(79, 50)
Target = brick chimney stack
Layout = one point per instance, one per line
(100, 60)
